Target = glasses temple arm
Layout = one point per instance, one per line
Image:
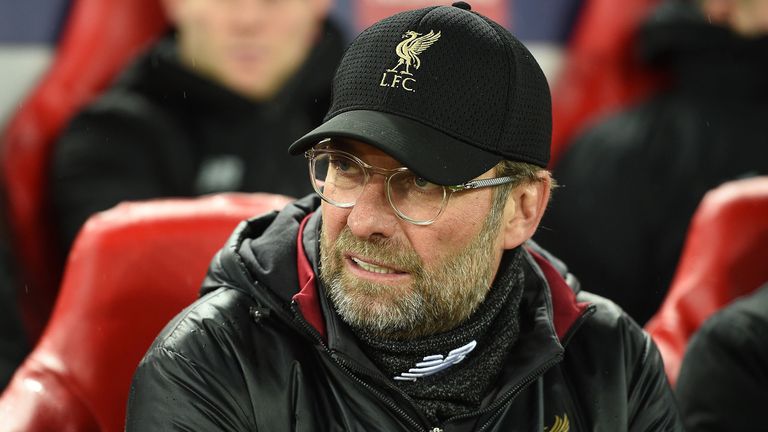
(481, 183)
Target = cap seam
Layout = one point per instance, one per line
(428, 11)
(503, 130)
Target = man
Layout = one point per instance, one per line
(729, 349)
(208, 109)
(400, 303)
(632, 182)
(13, 344)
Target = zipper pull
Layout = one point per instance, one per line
(258, 313)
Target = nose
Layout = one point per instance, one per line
(248, 15)
(372, 216)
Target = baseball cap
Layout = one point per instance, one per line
(444, 90)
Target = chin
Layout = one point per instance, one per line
(243, 83)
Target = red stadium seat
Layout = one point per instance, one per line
(601, 71)
(725, 257)
(132, 268)
(100, 36)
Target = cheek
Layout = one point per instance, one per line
(300, 30)
(299, 19)
(455, 229)
(334, 220)
(204, 29)
(434, 245)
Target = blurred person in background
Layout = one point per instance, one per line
(632, 182)
(731, 350)
(209, 108)
(13, 345)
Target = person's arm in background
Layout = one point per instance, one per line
(116, 150)
(723, 382)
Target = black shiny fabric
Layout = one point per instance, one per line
(242, 358)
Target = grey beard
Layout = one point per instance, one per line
(402, 318)
(437, 301)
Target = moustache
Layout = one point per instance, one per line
(384, 251)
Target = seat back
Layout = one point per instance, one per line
(99, 37)
(601, 71)
(131, 269)
(725, 257)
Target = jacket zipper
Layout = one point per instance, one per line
(509, 396)
(528, 379)
(348, 369)
(346, 366)
(566, 340)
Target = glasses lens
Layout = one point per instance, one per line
(337, 178)
(415, 198)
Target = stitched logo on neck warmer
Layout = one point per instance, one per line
(408, 50)
(560, 425)
(433, 364)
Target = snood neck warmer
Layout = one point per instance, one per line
(460, 386)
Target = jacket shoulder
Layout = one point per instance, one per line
(612, 328)
(220, 313)
(626, 368)
(606, 311)
(196, 361)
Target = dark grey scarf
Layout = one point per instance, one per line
(460, 388)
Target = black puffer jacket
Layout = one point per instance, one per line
(164, 131)
(262, 351)
(632, 182)
(731, 350)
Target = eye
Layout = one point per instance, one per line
(423, 184)
(340, 164)
(345, 167)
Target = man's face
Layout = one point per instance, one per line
(250, 46)
(747, 17)
(397, 279)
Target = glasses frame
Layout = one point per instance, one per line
(448, 190)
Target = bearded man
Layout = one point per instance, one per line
(405, 294)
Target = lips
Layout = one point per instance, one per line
(373, 268)
(248, 54)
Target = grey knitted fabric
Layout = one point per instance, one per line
(459, 389)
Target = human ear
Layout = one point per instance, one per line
(322, 8)
(524, 210)
(717, 11)
(172, 9)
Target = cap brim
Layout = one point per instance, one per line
(428, 152)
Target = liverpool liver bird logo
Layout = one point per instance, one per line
(409, 50)
(560, 425)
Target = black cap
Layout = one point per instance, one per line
(445, 91)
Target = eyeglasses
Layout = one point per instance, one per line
(339, 178)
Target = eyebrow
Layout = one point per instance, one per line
(343, 144)
(339, 144)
